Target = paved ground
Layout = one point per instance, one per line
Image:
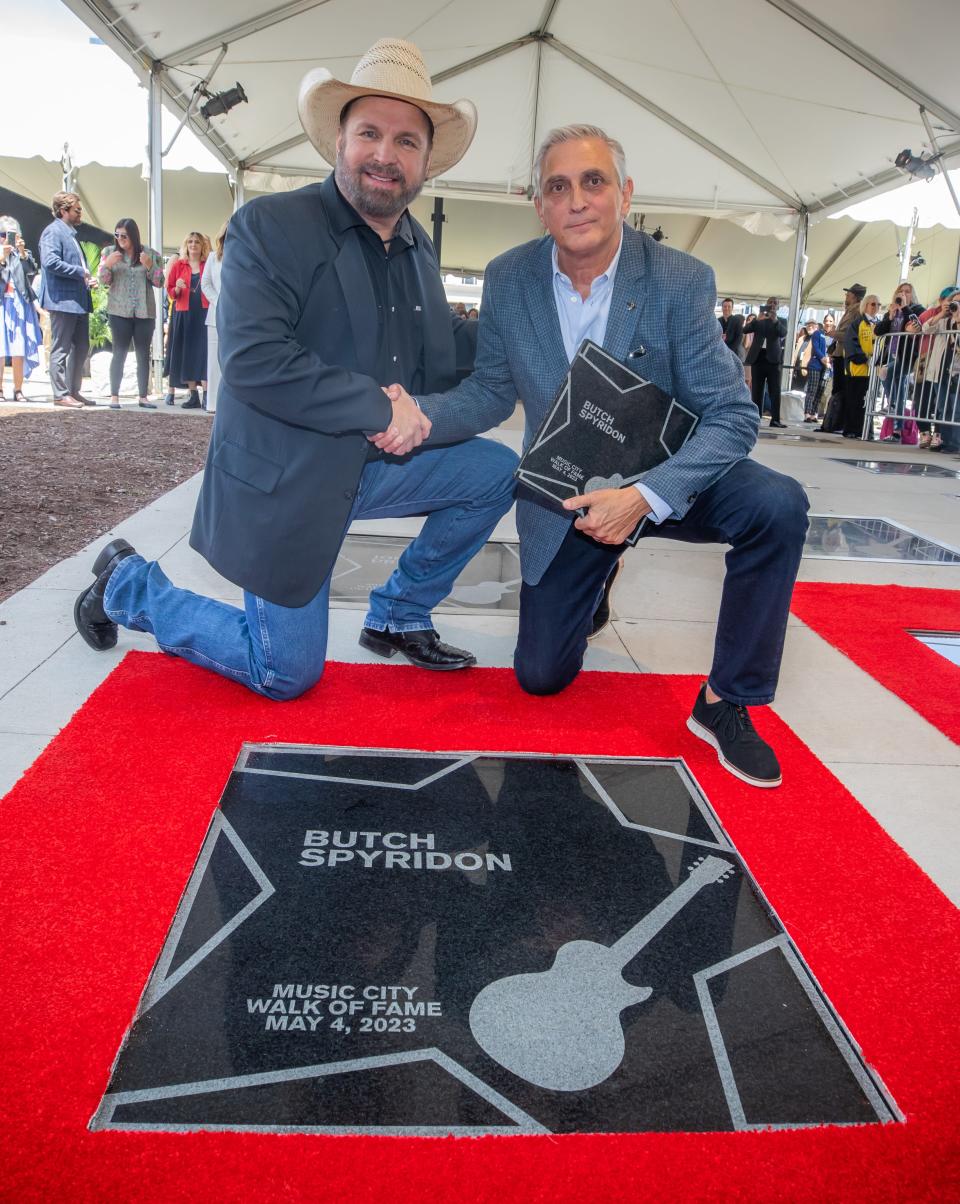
(905, 772)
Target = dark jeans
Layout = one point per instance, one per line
(69, 344)
(763, 372)
(122, 330)
(762, 514)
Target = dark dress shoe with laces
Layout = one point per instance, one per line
(424, 649)
(99, 631)
(192, 402)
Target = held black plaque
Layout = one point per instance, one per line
(607, 428)
(388, 942)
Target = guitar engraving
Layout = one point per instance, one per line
(560, 1028)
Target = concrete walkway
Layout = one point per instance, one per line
(903, 770)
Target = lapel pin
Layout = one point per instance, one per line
(631, 305)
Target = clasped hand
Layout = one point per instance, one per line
(612, 514)
(408, 428)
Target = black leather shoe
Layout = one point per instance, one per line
(99, 631)
(778, 425)
(421, 648)
(601, 616)
(192, 402)
(84, 401)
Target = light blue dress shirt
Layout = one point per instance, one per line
(587, 319)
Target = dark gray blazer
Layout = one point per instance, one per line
(297, 326)
(663, 305)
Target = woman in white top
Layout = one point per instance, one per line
(210, 287)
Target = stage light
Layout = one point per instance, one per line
(658, 234)
(915, 166)
(917, 261)
(223, 102)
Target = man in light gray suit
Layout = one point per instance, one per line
(597, 278)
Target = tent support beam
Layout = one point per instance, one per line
(189, 54)
(155, 153)
(852, 51)
(108, 25)
(480, 59)
(265, 155)
(882, 180)
(831, 260)
(662, 114)
(796, 285)
(698, 234)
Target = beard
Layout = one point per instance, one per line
(367, 199)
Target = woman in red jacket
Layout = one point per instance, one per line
(186, 359)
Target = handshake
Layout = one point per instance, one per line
(408, 425)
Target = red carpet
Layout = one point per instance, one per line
(871, 624)
(99, 838)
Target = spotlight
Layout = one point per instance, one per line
(915, 166)
(917, 261)
(658, 234)
(223, 102)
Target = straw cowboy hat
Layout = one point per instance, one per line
(392, 68)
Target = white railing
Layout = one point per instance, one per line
(914, 377)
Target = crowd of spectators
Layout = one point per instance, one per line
(911, 348)
(915, 346)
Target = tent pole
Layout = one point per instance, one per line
(796, 284)
(239, 190)
(155, 151)
(906, 253)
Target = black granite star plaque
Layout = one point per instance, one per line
(607, 428)
(391, 942)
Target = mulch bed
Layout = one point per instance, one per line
(66, 477)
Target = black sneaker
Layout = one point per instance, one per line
(601, 616)
(730, 730)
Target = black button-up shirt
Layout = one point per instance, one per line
(393, 277)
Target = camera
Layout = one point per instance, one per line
(955, 307)
(898, 301)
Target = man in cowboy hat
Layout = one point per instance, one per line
(652, 307)
(329, 294)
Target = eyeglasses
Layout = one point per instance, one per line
(121, 234)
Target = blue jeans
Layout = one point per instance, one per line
(762, 514)
(280, 651)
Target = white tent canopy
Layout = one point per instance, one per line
(748, 105)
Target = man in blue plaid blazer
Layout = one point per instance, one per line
(597, 278)
(65, 295)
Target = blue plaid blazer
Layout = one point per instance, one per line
(663, 306)
(62, 287)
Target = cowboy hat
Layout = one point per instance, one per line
(395, 69)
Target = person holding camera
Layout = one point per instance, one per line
(20, 334)
(131, 272)
(900, 317)
(940, 367)
(765, 357)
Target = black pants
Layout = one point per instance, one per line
(760, 372)
(122, 330)
(762, 514)
(854, 404)
(69, 344)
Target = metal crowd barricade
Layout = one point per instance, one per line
(913, 377)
